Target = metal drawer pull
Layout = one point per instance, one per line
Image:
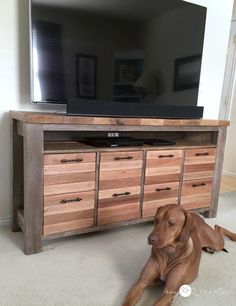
(77, 160)
(119, 158)
(163, 189)
(202, 154)
(121, 194)
(162, 156)
(64, 201)
(198, 185)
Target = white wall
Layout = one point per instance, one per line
(14, 73)
(219, 13)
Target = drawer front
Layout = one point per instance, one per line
(196, 193)
(120, 169)
(68, 212)
(199, 163)
(71, 158)
(69, 173)
(158, 195)
(163, 166)
(117, 205)
(121, 160)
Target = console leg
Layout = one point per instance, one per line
(33, 188)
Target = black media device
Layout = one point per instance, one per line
(118, 58)
(116, 109)
(124, 141)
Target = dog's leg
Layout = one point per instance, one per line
(148, 275)
(174, 280)
(224, 231)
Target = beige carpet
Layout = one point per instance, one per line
(97, 269)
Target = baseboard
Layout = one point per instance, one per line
(5, 221)
(229, 173)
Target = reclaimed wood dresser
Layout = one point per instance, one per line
(63, 187)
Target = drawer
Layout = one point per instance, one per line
(120, 169)
(117, 205)
(121, 160)
(163, 166)
(196, 193)
(69, 173)
(199, 163)
(68, 212)
(69, 163)
(158, 195)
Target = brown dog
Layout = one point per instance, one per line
(177, 241)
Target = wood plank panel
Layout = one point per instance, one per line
(55, 159)
(150, 207)
(158, 179)
(63, 178)
(199, 156)
(110, 193)
(110, 215)
(193, 202)
(68, 168)
(113, 156)
(68, 188)
(56, 202)
(158, 195)
(122, 182)
(118, 165)
(67, 226)
(41, 117)
(54, 218)
(121, 174)
(196, 187)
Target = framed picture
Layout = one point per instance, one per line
(187, 72)
(127, 73)
(86, 71)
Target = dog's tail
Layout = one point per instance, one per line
(226, 232)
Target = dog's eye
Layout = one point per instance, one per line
(170, 223)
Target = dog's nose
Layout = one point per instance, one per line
(152, 239)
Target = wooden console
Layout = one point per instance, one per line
(63, 187)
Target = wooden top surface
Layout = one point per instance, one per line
(55, 118)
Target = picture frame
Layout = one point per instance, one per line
(86, 76)
(187, 72)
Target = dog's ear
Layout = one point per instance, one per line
(187, 228)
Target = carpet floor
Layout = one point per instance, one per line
(98, 269)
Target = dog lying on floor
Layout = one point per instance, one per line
(177, 241)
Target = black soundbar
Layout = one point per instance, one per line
(126, 109)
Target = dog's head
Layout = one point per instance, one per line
(171, 224)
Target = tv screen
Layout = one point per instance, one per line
(119, 50)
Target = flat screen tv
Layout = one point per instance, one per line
(117, 57)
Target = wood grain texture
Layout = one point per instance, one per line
(150, 207)
(158, 195)
(74, 214)
(69, 168)
(221, 139)
(199, 163)
(54, 202)
(108, 215)
(67, 226)
(17, 177)
(163, 166)
(113, 156)
(57, 159)
(69, 188)
(33, 188)
(50, 118)
(63, 178)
